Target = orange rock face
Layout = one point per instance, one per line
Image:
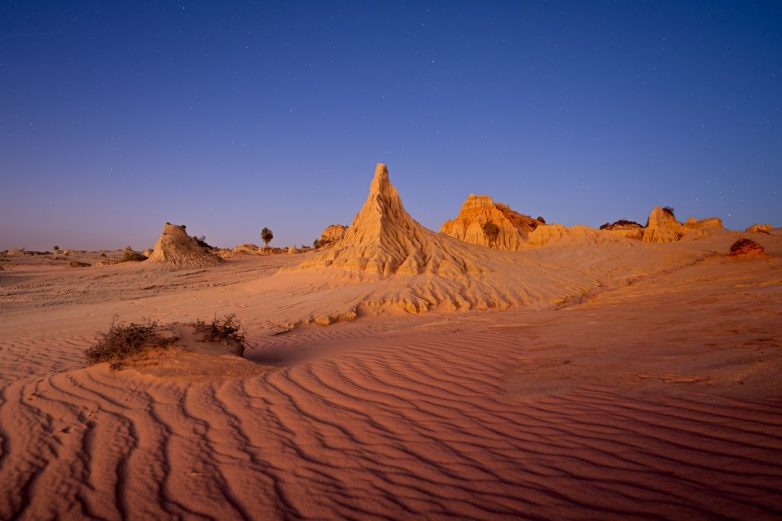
(513, 228)
(331, 235)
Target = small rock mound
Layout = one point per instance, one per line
(484, 222)
(625, 228)
(708, 225)
(247, 248)
(746, 247)
(760, 228)
(331, 235)
(176, 249)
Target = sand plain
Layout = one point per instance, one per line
(644, 384)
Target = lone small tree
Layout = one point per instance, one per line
(266, 236)
(491, 231)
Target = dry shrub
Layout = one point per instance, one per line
(745, 246)
(227, 329)
(122, 341)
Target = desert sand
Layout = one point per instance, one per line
(401, 373)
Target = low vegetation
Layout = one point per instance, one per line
(221, 330)
(621, 223)
(670, 211)
(201, 240)
(491, 231)
(122, 341)
(746, 246)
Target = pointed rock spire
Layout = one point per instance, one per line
(384, 239)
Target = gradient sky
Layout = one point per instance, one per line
(118, 116)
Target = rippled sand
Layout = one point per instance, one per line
(656, 397)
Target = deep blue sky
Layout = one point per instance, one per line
(118, 116)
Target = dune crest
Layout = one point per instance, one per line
(176, 249)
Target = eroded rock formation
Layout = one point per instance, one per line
(478, 213)
(331, 235)
(176, 249)
(385, 240)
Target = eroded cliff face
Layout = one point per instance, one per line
(663, 226)
(470, 225)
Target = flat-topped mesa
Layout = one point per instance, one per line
(484, 222)
(176, 249)
(385, 240)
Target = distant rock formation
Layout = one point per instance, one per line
(760, 228)
(625, 228)
(384, 240)
(746, 247)
(176, 249)
(472, 224)
(331, 235)
(663, 226)
(247, 248)
(546, 234)
(708, 225)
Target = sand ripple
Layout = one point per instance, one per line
(386, 429)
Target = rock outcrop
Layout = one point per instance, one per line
(176, 249)
(331, 235)
(760, 228)
(706, 226)
(625, 228)
(388, 260)
(552, 233)
(663, 226)
(384, 240)
(510, 232)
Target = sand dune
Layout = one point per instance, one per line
(654, 393)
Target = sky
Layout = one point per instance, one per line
(116, 117)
